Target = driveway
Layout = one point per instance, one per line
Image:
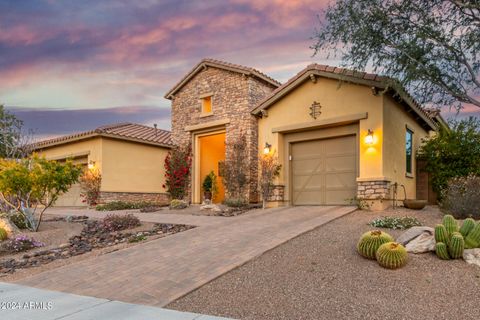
(160, 271)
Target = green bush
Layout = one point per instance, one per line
(400, 223)
(3, 234)
(235, 203)
(176, 204)
(20, 221)
(452, 153)
(123, 205)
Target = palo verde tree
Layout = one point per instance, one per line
(34, 183)
(431, 47)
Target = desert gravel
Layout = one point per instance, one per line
(319, 275)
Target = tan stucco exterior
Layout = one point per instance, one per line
(344, 107)
(126, 166)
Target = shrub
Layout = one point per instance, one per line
(177, 165)
(210, 184)
(394, 223)
(269, 170)
(176, 204)
(461, 198)
(3, 234)
(452, 153)
(115, 222)
(20, 243)
(235, 203)
(90, 182)
(19, 220)
(123, 205)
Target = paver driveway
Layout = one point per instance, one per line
(160, 271)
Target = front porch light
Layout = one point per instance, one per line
(91, 164)
(266, 150)
(369, 137)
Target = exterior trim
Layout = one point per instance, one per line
(72, 155)
(207, 125)
(336, 121)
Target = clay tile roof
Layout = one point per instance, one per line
(124, 131)
(347, 75)
(207, 62)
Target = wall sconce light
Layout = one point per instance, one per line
(369, 137)
(91, 164)
(266, 150)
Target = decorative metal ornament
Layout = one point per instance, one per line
(315, 109)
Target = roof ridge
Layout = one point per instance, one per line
(112, 126)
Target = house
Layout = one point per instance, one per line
(339, 135)
(130, 158)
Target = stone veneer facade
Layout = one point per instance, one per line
(158, 198)
(233, 96)
(376, 194)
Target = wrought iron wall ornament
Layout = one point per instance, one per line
(315, 109)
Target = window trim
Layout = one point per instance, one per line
(202, 98)
(409, 174)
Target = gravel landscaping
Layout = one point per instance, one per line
(319, 275)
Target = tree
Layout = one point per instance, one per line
(431, 47)
(236, 168)
(269, 170)
(28, 183)
(178, 163)
(452, 153)
(13, 142)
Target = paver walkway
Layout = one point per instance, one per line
(160, 271)
(26, 303)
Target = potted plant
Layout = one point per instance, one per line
(209, 186)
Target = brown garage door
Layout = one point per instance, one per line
(324, 171)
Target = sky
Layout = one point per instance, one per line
(69, 65)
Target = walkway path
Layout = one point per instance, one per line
(25, 303)
(160, 271)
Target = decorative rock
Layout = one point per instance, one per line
(472, 256)
(211, 207)
(421, 244)
(413, 233)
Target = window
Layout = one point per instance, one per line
(409, 151)
(207, 105)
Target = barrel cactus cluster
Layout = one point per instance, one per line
(380, 246)
(452, 240)
(3, 234)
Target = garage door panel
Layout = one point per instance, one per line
(324, 171)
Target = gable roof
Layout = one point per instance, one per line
(123, 131)
(224, 66)
(372, 80)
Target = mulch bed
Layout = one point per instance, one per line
(93, 236)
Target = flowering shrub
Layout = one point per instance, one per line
(21, 243)
(115, 222)
(177, 171)
(400, 223)
(90, 183)
(461, 197)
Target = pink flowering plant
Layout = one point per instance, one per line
(177, 171)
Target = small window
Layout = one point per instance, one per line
(207, 105)
(409, 151)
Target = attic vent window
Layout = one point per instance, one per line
(206, 105)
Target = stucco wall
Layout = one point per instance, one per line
(91, 147)
(396, 120)
(132, 167)
(336, 101)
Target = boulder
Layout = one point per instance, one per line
(472, 256)
(413, 233)
(211, 207)
(425, 242)
(11, 229)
